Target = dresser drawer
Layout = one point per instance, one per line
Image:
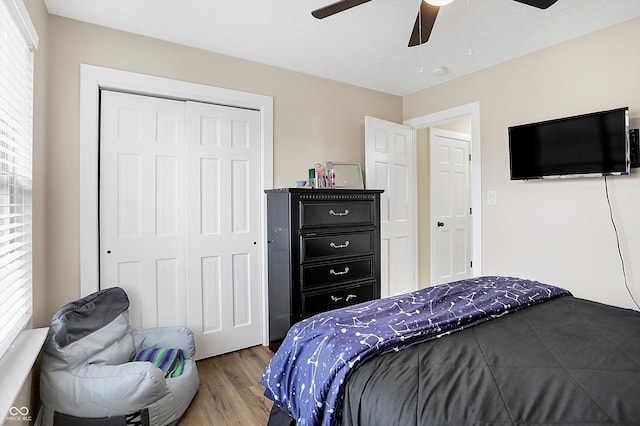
(338, 298)
(336, 213)
(348, 244)
(330, 273)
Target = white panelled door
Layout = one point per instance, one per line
(391, 165)
(171, 211)
(141, 210)
(450, 206)
(223, 227)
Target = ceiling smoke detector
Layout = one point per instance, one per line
(439, 71)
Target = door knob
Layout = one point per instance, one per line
(440, 224)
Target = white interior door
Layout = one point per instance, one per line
(390, 159)
(223, 224)
(142, 213)
(174, 197)
(450, 206)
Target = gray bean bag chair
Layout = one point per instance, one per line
(88, 376)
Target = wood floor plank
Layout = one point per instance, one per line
(230, 392)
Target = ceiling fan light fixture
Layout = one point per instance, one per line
(438, 2)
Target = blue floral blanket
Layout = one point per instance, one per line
(305, 376)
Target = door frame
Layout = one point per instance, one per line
(92, 79)
(471, 111)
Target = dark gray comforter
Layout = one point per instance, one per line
(563, 362)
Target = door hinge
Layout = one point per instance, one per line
(469, 157)
(470, 210)
(471, 264)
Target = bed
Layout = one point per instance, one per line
(485, 351)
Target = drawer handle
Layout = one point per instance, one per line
(339, 246)
(333, 272)
(339, 298)
(346, 212)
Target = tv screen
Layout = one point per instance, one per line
(594, 144)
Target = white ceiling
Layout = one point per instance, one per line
(366, 45)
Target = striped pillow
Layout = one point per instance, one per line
(170, 361)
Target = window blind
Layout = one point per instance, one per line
(16, 130)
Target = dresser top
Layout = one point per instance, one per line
(307, 190)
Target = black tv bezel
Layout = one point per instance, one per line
(625, 172)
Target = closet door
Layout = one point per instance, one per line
(142, 205)
(223, 227)
(180, 217)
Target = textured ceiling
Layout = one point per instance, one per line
(366, 45)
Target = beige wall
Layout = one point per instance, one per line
(39, 16)
(554, 231)
(423, 185)
(314, 120)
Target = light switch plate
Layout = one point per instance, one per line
(492, 198)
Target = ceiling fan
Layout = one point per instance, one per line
(425, 19)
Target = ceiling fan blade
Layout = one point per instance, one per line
(424, 24)
(336, 7)
(540, 4)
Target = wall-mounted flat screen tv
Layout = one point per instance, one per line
(595, 144)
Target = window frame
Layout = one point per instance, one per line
(19, 42)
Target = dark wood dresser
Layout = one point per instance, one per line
(323, 253)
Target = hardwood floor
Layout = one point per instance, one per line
(230, 392)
